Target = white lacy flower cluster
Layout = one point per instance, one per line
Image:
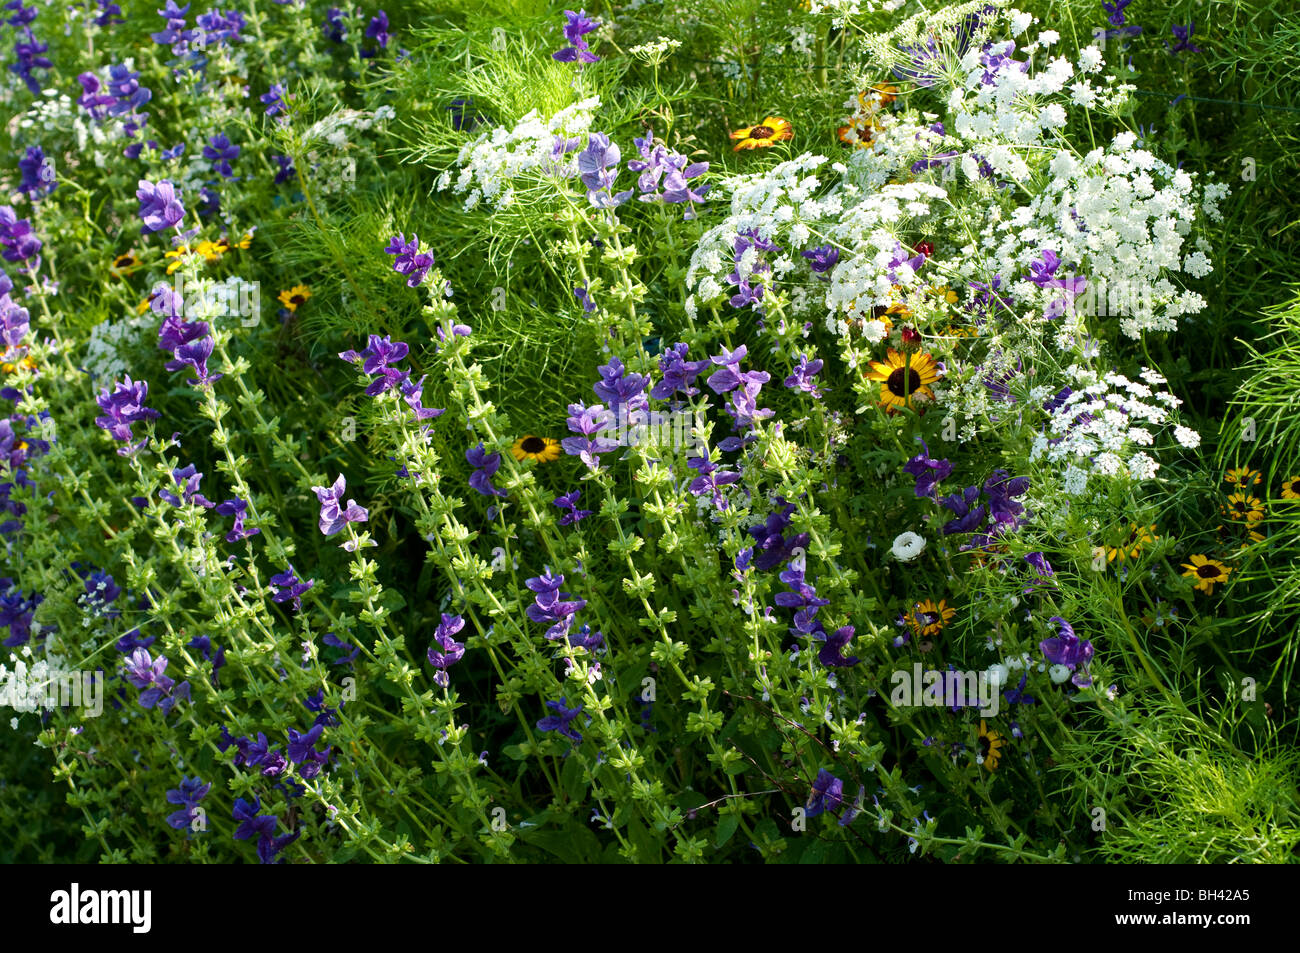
(491, 163)
(794, 207)
(842, 10)
(1098, 426)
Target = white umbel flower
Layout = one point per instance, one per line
(907, 546)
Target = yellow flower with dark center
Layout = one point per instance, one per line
(124, 264)
(1207, 572)
(859, 131)
(991, 745)
(1131, 547)
(1243, 507)
(903, 378)
(1242, 476)
(143, 306)
(295, 297)
(769, 132)
(537, 449)
(928, 619)
(1291, 488)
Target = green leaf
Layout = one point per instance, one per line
(727, 825)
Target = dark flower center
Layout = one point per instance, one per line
(760, 132)
(533, 445)
(297, 299)
(1208, 572)
(903, 382)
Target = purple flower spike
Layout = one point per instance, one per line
(334, 516)
(160, 206)
(560, 720)
(485, 467)
(408, 259)
(576, 28)
(831, 654)
(1069, 650)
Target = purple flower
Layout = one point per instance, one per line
(827, 793)
(288, 587)
(377, 360)
(587, 422)
(710, 480)
(560, 720)
(188, 795)
(122, 407)
(236, 508)
(822, 258)
(576, 27)
(802, 378)
(552, 607)
(449, 651)
(1116, 11)
(408, 259)
(187, 478)
(620, 390)
(37, 173)
(221, 153)
(252, 823)
(485, 467)
(333, 27)
(273, 99)
(678, 373)
(175, 34)
(18, 240)
(1069, 650)
(928, 472)
(665, 175)
(334, 516)
(195, 354)
(146, 673)
(569, 503)
(772, 548)
(377, 30)
(1184, 36)
(598, 168)
(302, 746)
(286, 170)
(968, 518)
(831, 654)
(160, 207)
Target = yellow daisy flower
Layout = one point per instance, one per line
(1243, 507)
(929, 618)
(904, 376)
(1291, 488)
(1131, 547)
(991, 745)
(769, 132)
(123, 265)
(1207, 572)
(295, 297)
(537, 449)
(1242, 476)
